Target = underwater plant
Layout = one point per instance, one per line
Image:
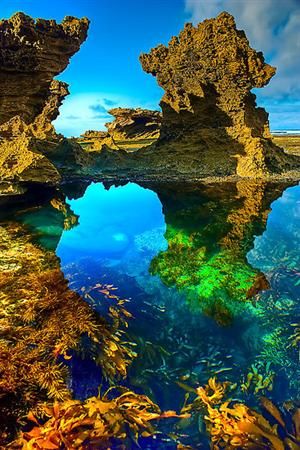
(211, 394)
(232, 424)
(217, 284)
(42, 322)
(259, 378)
(295, 338)
(95, 423)
(208, 239)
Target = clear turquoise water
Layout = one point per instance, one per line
(186, 257)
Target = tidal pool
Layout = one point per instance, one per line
(212, 278)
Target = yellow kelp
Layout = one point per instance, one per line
(42, 322)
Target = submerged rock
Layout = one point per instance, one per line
(32, 53)
(210, 123)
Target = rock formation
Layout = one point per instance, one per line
(290, 142)
(209, 126)
(132, 129)
(32, 53)
(210, 123)
(134, 124)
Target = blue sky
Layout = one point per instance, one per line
(106, 72)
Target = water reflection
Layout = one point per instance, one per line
(210, 230)
(211, 272)
(180, 254)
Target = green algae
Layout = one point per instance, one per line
(212, 283)
(208, 239)
(208, 236)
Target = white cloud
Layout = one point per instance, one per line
(86, 111)
(263, 20)
(272, 26)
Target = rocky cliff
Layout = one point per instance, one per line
(32, 53)
(211, 125)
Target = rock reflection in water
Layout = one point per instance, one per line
(210, 229)
(198, 309)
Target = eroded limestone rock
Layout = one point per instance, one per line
(134, 125)
(131, 129)
(211, 126)
(208, 108)
(31, 54)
